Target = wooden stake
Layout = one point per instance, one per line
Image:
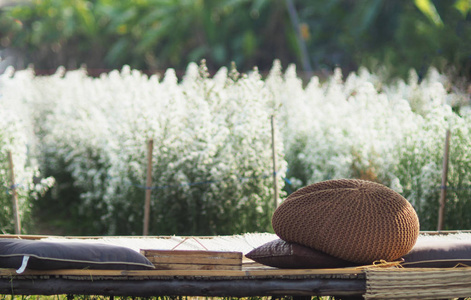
(16, 215)
(441, 209)
(273, 148)
(150, 146)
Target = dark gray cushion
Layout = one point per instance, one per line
(438, 253)
(282, 254)
(69, 255)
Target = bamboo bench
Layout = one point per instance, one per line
(371, 282)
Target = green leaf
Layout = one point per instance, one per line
(259, 4)
(153, 35)
(198, 53)
(429, 10)
(463, 6)
(219, 53)
(117, 51)
(249, 43)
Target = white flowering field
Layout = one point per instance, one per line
(14, 139)
(212, 159)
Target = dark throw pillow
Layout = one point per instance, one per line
(42, 255)
(436, 253)
(282, 254)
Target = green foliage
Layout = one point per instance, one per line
(429, 10)
(390, 35)
(27, 186)
(54, 32)
(146, 34)
(6, 213)
(458, 194)
(444, 46)
(420, 171)
(158, 34)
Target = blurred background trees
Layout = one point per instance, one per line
(94, 176)
(153, 35)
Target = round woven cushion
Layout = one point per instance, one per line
(355, 220)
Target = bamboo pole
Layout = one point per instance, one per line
(16, 215)
(446, 154)
(182, 287)
(275, 175)
(150, 146)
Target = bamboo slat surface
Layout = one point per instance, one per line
(420, 283)
(249, 273)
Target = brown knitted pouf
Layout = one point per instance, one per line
(355, 220)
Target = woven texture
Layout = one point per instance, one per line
(426, 283)
(355, 220)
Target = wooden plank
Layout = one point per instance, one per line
(130, 273)
(191, 253)
(192, 260)
(301, 272)
(196, 267)
(200, 273)
(23, 236)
